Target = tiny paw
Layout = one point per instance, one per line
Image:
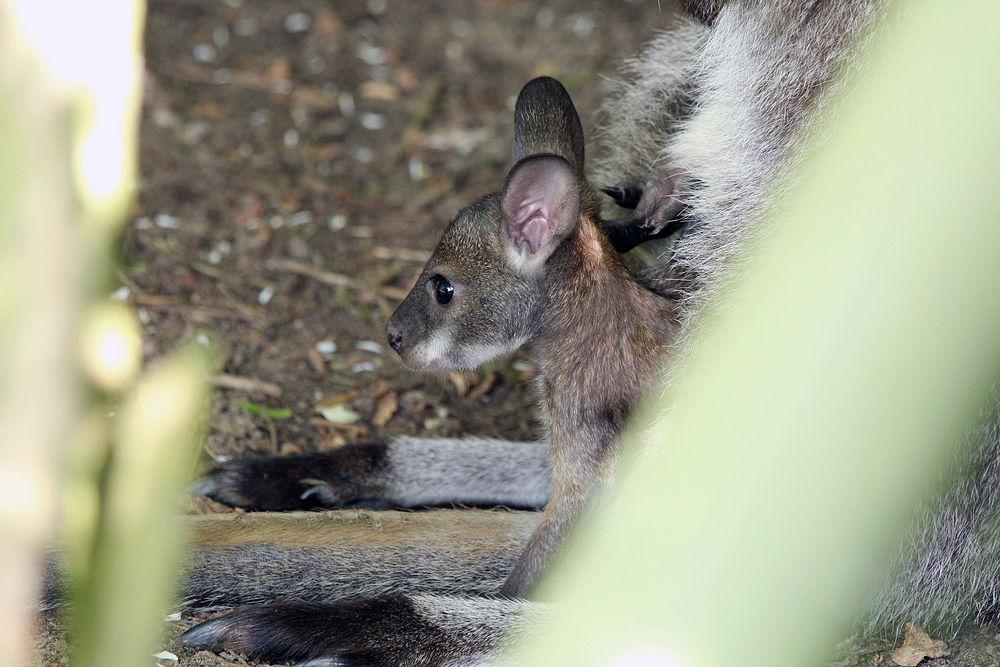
(658, 211)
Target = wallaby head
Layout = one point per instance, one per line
(480, 293)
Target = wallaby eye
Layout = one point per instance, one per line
(443, 291)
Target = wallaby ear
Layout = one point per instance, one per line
(546, 122)
(540, 204)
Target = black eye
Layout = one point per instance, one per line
(443, 291)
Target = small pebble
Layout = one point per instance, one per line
(581, 25)
(346, 103)
(143, 223)
(204, 53)
(144, 316)
(258, 117)
(368, 346)
(300, 116)
(544, 18)
(265, 295)
(454, 50)
(363, 367)
(300, 218)
(364, 155)
(337, 222)
(326, 347)
(120, 294)
(372, 55)
(221, 36)
(214, 257)
(245, 27)
(416, 169)
(315, 65)
(460, 28)
(165, 221)
(376, 7)
(297, 22)
(291, 138)
(372, 121)
(276, 222)
(202, 339)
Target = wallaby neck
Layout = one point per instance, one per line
(601, 338)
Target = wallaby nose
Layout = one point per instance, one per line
(395, 339)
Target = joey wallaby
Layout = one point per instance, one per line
(708, 118)
(530, 264)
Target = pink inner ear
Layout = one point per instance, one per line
(540, 203)
(532, 224)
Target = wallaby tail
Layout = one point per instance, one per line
(324, 557)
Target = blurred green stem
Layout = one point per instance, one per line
(39, 302)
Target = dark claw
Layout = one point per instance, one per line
(627, 233)
(331, 660)
(215, 632)
(626, 196)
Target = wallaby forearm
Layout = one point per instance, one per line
(405, 473)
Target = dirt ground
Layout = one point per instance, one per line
(299, 159)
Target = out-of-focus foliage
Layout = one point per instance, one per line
(69, 100)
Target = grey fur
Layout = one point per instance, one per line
(948, 568)
(470, 471)
(256, 558)
(488, 625)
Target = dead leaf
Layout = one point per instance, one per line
(349, 432)
(288, 448)
(326, 23)
(917, 645)
(460, 381)
(379, 91)
(386, 406)
(332, 440)
(313, 97)
(338, 399)
(316, 360)
(280, 70)
(338, 414)
(406, 79)
(486, 385)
